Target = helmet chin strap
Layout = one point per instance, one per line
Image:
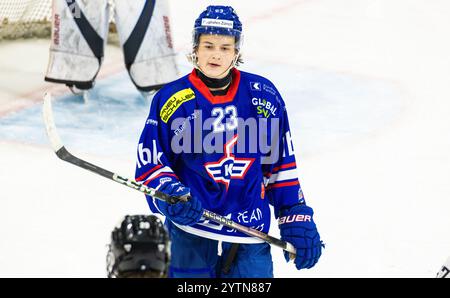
(194, 59)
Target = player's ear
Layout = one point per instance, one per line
(238, 60)
(192, 57)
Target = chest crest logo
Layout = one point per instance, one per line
(228, 167)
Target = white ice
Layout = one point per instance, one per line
(366, 84)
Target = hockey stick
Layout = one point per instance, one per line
(65, 155)
(445, 270)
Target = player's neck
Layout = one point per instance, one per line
(215, 84)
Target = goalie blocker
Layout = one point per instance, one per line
(79, 35)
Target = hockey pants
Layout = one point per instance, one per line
(195, 256)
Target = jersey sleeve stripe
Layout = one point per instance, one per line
(283, 167)
(283, 175)
(283, 184)
(160, 175)
(166, 169)
(146, 174)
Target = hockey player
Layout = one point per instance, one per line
(139, 248)
(206, 137)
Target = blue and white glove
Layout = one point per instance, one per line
(183, 213)
(298, 228)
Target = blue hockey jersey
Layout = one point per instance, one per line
(233, 151)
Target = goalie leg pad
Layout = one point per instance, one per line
(79, 33)
(144, 32)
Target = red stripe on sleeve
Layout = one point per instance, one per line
(159, 175)
(283, 184)
(148, 173)
(282, 167)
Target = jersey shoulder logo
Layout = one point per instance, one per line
(255, 86)
(228, 167)
(174, 102)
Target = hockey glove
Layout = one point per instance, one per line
(298, 228)
(183, 213)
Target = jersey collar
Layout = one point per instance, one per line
(201, 87)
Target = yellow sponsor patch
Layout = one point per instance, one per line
(174, 102)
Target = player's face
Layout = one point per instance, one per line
(215, 54)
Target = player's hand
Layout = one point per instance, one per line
(184, 212)
(298, 228)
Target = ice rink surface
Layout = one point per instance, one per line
(367, 87)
